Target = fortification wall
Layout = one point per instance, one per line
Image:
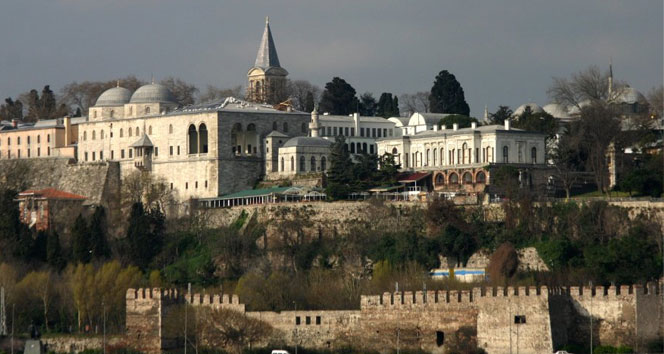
(73, 344)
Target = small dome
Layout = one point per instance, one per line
(152, 93)
(116, 96)
(574, 110)
(630, 95)
(534, 108)
(307, 141)
(556, 110)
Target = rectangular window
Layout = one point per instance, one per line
(205, 184)
(361, 131)
(384, 132)
(520, 319)
(101, 155)
(318, 320)
(131, 153)
(308, 320)
(178, 149)
(156, 151)
(122, 154)
(352, 131)
(329, 131)
(38, 152)
(346, 131)
(297, 320)
(112, 155)
(86, 156)
(373, 132)
(28, 152)
(378, 133)
(28, 140)
(171, 186)
(93, 155)
(335, 132)
(48, 151)
(170, 149)
(391, 132)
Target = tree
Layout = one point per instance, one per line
(309, 102)
(388, 106)
(80, 234)
(54, 255)
(44, 106)
(461, 120)
(568, 158)
(367, 105)
(182, 91)
(213, 93)
(81, 96)
(146, 188)
(40, 285)
(11, 109)
(539, 122)
(656, 102)
(503, 263)
(339, 98)
(588, 85)
(299, 92)
(447, 95)
(339, 175)
(458, 244)
(144, 234)
(416, 102)
(499, 116)
(98, 226)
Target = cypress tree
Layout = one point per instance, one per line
(340, 173)
(339, 98)
(80, 240)
(309, 102)
(98, 241)
(54, 251)
(447, 95)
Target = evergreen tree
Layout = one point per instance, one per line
(309, 102)
(385, 106)
(144, 234)
(447, 95)
(98, 241)
(367, 105)
(461, 120)
(11, 109)
(339, 98)
(499, 116)
(339, 175)
(39, 246)
(80, 235)
(54, 251)
(44, 106)
(395, 107)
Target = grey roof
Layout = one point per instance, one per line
(267, 51)
(116, 96)
(350, 119)
(556, 110)
(142, 142)
(630, 95)
(152, 93)
(307, 141)
(482, 129)
(277, 134)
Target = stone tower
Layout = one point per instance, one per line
(267, 79)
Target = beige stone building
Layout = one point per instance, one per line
(46, 138)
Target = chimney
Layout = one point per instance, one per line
(356, 120)
(435, 127)
(507, 124)
(443, 127)
(473, 125)
(14, 123)
(455, 126)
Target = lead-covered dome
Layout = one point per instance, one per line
(630, 95)
(556, 110)
(152, 93)
(116, 96)
(534, 108)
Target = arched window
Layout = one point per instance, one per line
(94, 114)
(442, 156)
(303, 165)
(85, 137)
(38, 139)
(147, 110)
(433, 158)
(352, 148)
(480, 177)
(282, 164)
(192, 136)
(111, 113)
(131, 110)
(101, 134)
(129, 131)
(358, 149)
(150, 130)
(94, 135)
(285, 127)
(274, 126)
(533, 154)
(364, 147)
(235, 138)
(395, 151)
(454, 178)
(170, 129)
(203, 138)
(506, 154)
(440, 179)
(121, 132)
(137, 131)
(313, 164)
(304, 127)
(467, 178)
(464, 148)
(323, 163)
(427, 157)
(292, 164)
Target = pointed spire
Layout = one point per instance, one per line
(486, 113)
(267, 51)
(610, 77)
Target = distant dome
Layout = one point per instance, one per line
(556, 110)
(630, 95)
(116, 96)
(152, 93)
(573, 110)
(307, 141)
(534, 108)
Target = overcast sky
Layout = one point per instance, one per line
(502, 52)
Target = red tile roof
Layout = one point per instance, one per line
(51, 193)
(414, 177)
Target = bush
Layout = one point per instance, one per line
(607, 349)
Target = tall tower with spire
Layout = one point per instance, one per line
(267, 79)
(610, 78)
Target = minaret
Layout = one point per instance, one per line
(314, 126)
(610, 78)
(267, 79)
(486, 114)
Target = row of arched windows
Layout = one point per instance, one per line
(197, 139)
(313, 166)
(466, 178)
(18, 140)
(434, 157)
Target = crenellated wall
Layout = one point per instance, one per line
(511, 319)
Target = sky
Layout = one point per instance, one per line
(502, 52)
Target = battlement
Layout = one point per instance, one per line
(152, 293)
(609, 292)
(211, 299)
(409, 299)
(175, 296)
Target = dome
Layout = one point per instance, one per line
(556, 110)
(630, 95)
(534, 108)
(307, 141)
(152, 93)
(574, 110)
(116, 96)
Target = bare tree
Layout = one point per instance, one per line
(15, 175)
(213, 93)
(144, 187)
(590, 84)
(84, 95)
(183, 92)
(231, 329)
(656, 101)
(298, 90)
(415, 102)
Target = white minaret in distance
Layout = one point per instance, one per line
(486, 114)
(314, 126)
(610, 78)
